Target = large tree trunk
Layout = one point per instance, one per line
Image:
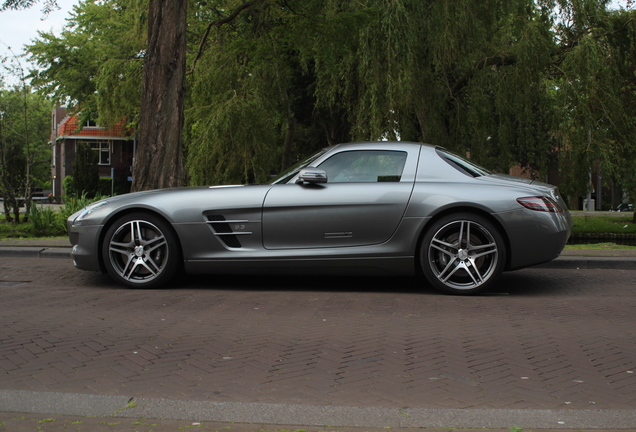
(159, 161)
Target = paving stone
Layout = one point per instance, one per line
(265, 340)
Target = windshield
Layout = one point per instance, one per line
(463, 165)
(289, 173)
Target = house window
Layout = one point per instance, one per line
(104, 152)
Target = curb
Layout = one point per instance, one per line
(35, 252)
(310, 415)
(591, 263)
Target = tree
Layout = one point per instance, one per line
(24, 153)
(159, 159)
(12, 173)
(96, 63)
(466, 75)
(596, 95)
(163, 92)
(47, 5)
(544, 84)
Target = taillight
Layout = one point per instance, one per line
(540, 203)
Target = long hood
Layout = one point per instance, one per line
(186, 204)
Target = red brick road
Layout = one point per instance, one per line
(554, 339)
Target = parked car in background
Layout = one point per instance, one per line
(363, 208)
(625, 207)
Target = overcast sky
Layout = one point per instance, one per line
(18, 28)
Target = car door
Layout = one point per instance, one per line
(361, 204)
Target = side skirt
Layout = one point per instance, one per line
(404, 266)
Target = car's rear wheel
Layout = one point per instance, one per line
(462, 253)
(140, 250)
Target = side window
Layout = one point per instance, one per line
(365, 166)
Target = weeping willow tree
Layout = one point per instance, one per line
(237, 100)
(464, 74)
(543, 84)
(252, 104)
(596, 96)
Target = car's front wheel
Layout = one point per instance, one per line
(140, 250)
(462, 253)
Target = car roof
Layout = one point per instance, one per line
(382, 144)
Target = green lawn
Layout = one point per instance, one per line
(9, 230)
(48, 223)
(599, 246)
(603, 224)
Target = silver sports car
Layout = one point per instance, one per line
(371, 208)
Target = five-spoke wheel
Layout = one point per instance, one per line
(140, 250)
(462, 254)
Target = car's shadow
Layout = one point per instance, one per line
(519, 283)
(307, 283)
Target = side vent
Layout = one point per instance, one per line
(223, 230)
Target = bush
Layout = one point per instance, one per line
(105, 185)
(68, 186)
(45, 222)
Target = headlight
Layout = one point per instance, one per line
(88, 210)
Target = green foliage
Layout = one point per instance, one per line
(46, 222)
(68, 186)
(603, 224)
(105, 185)
(8, 229)
(466, 75)
(47, 6)
(222, 146)
(24, 151)
(596, 96)
(73, 204)
(96, 62)
(85, 170)
(598, 246)
(545, 84)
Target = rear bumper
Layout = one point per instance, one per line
(537, 237)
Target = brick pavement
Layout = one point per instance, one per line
(545, 339)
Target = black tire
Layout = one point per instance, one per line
(140, 250)
(462, 253)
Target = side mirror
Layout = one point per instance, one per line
(312, 175)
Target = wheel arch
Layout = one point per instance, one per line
(461, 209)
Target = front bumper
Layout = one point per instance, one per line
(85, 252)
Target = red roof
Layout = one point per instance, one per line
(69, 126)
